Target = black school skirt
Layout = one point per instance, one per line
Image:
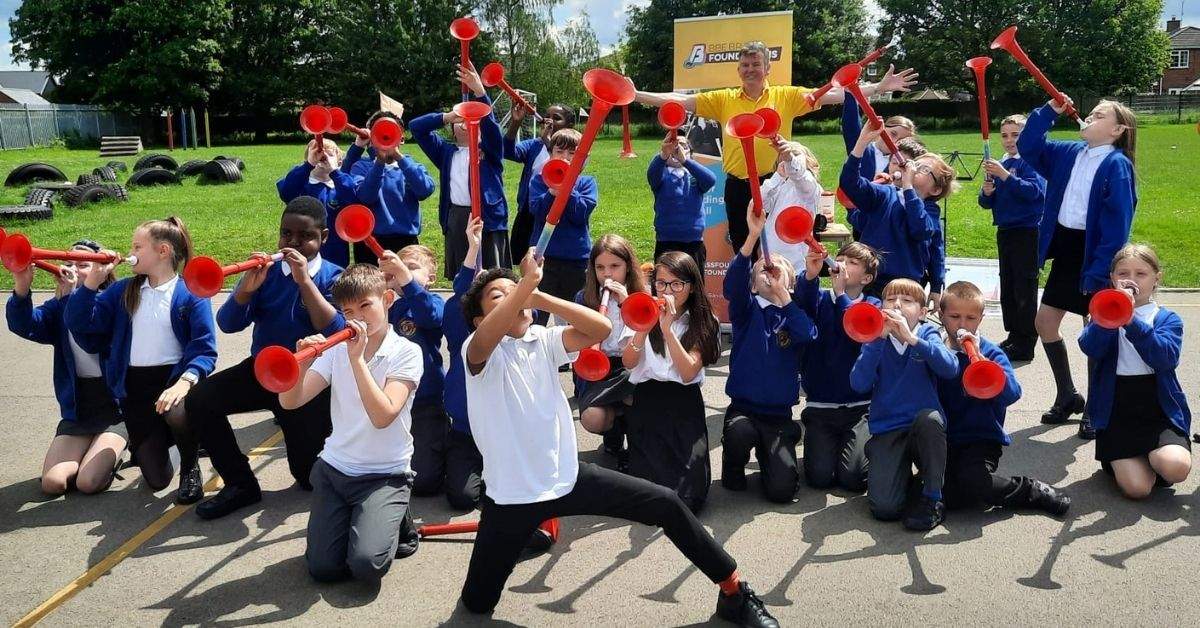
(1066, 270)
(95, 410)
(1138, 424)
(668, 439)
(610, 391)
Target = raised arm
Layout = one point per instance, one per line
(492, 329)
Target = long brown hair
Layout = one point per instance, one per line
(613, 245)
(171, 231)
(702, 325)
(1124, 116)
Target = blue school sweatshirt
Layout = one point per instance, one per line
(46, 324)
(525, 153)
(572, 238)
(1159, 347)
(454, 326)
(1018, 200)
(1111, 204)
(679, 201)
(417, 316)
(968, 419)
(902, 384)
(276, 310)
(493, 205)
(935, 249)
(851, 128)
(393, 194)
(896, 224)
(768, 344)
(295, 183)
(101, 317)
(825, 370)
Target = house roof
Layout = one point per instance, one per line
(1186, 37)
(32, 80)
(23, 96)
(929, 94)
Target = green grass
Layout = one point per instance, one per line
(229, 221)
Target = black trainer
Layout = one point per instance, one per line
(408, 539)
(1061, 412)
(733, 478)
(744, 608)
(925, 514)
(1045, 497)
(191, 486)
(1086, 431)
(1017, 352)
(229, 499)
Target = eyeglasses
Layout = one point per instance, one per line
(675, 286)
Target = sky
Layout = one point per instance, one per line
(607, 18)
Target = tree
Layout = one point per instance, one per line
(517, 26)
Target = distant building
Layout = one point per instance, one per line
(41, 83)
(21, 96)
(1183, 69)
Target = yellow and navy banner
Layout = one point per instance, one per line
(706, 48)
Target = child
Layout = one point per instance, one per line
(392, 185)
(905, 418)
(770, 332)
(835, 415)
(285, 302)
(1091, 195)
(362, 482)
(612, 267)
(88, 442)
(975, 427)
(567, 254)
(679, 183)
(1137, 407)
(668, 438)
(321, 178)
(453, 162)
(875, 157)
(527, 437)
(795, 183)
(1015, 193)
(161, 342)
(464, 463)
(532, 154)
(417, 316)
(935, 253)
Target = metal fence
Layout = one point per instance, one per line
(22, 126)
(1168, 104)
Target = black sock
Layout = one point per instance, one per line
(1056, 352)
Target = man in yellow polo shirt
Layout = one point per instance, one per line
(754, 66)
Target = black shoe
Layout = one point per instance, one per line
(229, 499)
(538, 542)
(1061, 412)
(409, 541)
(733, 479)
(1017, 352)
(623, 461)
(1086, 431)
(744, 608)
(1045, 497)
(191, 486)
(925, 514)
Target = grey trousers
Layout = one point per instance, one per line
(892, 455)
(355, 523)
(835, 442)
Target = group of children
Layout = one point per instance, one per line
(376, 419)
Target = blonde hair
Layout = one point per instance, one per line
(1127, 141)
(1140, 252)
(864, 254)
(904, 287)
(422, 254)
(901, 122)
(565, 139)
(943, 175)
(785, 267)
(358, 281)
(810, 158)
(1018, 119)
(327, 143)
(171, 231)
(962, 291)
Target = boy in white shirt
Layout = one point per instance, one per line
(362, 480)
(527, 439)
(794, 183)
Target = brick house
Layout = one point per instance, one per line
(1183, 70)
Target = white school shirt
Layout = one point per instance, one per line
(540, 160)
(799, 188)
(316, 181)
(1129, 361)
(881, 161)
(661, 367)
(1073, 212)
(356, 446)
(460, 177)
(153, 342)
(614, 345)
(521, 420)
(87, 365)
(314, 267)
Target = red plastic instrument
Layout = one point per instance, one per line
(1111, 308)
(464, 29)
(863, 322)
(472, 112)
(549, 526)
(671, 116)
(794, 225)
(745, 127)
(592, 365)
(356, 223)
(983, 379)
(640, 311)
(339, 121)
(315, 119)
(771, 123)
(493, 75)
(847, 78)
(204, 275)
(386, 133)
(812, 97)
(626, 143)
(17, 254)
(979, 66)
(1007, 40)
(278, 369)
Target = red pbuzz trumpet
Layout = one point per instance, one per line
(812, 97)
(1111, 308)
(339, 121)
(1007, 40)
(671, 116)
(983, 378)
(863, 322)
(592, 365)
(795, 225)
(386, 133)
(493, 75)
(315, 119)
(847, 78)
(626, 142)
(204, 275)
(278, 369)
(745, 127)
(640, 311)
(356, 223)
(979, 66)
(464, 29)
(549, 526)
(472, 112)
(17, 254)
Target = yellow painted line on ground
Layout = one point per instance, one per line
(128, 547)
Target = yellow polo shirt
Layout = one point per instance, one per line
(723, 104)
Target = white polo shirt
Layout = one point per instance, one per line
(614, 345)
(356, 446)
(153, 342)
(87, 365)
(661, 367)
(1129, 361)
(521, 420)
(1073, 212)
(460, 177)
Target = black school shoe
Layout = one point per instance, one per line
(1017, 352)
(191, 486)
(1061, 413)
(1049, 499)
(229, 499)
(733, 478)
(744, 608)
(409, 540)
(1086, 431)
(925, 514)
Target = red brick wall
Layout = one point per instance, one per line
(1180, 78)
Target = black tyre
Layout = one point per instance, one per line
(26, 212)
(191, 168)
(57, 186)
(119, 166)
(240, 164)
(156, 160)
(105, 173)
(82, 194)
(39, 196)
(89, 179)
(119, 192)
(220, 171)
(152, 176)
(28, 173)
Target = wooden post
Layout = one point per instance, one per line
(29, 125)
(207, 136)
(195, 140)
(170, 131)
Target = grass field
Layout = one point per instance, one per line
(229, 221)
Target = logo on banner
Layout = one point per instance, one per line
(721, 53)
(696, 58)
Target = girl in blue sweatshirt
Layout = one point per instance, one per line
(89, 441)
(532, 154)
(1015, 193)
(770, 333)
(321, 177)
(900, 370)
(1137, 407)
(161, 340)
(1091, 195)
(679, 183)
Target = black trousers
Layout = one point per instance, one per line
(695, 249)
(152, 434)
(835, 441)
(562, 278)
(737, 199)
(521, 232)
(504, 529)
(464, 471)
(430, 427)
(364, 255)
(235, 390)
(1018, 251)
(773, 439)
(494, 248)
(971, 478)
(892, 456)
